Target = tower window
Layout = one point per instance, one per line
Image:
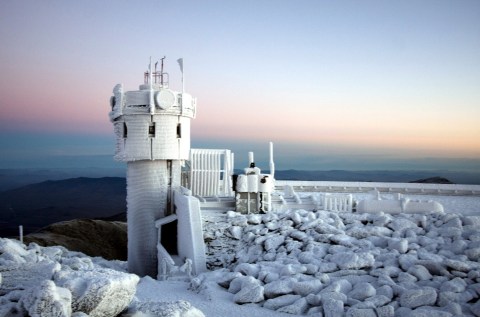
(151, 130)
(179, 130)
(125, 130)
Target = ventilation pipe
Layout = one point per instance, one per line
(272, 164)
(251, 162)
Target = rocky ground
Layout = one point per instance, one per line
(333, 264)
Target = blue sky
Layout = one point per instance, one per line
(355, 84)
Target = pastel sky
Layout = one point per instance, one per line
(363, 80)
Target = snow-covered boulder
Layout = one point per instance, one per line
(47, 300)
(279, 287)
(413, 298)
(251, 291)
(281, 301)
(27, 275)
(165, 309)
(351, 260)
(361, 291)
(101, 292)
(296, 308)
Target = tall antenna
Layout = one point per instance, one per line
(180, 62)
(152, 104)
(161, 71)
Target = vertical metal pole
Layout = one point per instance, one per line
(152, 104)
(20, 229)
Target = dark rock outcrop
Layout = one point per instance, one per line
(107, 239)
(433, 180)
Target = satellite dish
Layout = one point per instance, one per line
(165, 99)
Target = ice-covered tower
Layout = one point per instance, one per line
(152, 129)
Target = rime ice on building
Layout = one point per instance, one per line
(152, 129)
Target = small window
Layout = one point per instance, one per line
(125, 130)
(151, 130)
(179, 130)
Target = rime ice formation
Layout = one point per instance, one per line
(53, 281)
(152, 129)
(301, 262)
(323, 263)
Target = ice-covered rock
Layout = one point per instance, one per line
(102, 292)
(351, 260)
(47, 300)
(165, 309)
(235, 232)
(361, 291)
(382, 263)
(296, 308)
(251, 291)
(420, 272)
(307, 287)
(333, 308)
(281, 301)
(413, 298)
(456, 285)
(273, 242)
(361, 312)
(279, 287)
(401, 245)
(27, 275)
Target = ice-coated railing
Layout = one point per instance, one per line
(338, 202)
(359, 187)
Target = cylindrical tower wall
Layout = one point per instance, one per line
(154, 139)
(147, 193)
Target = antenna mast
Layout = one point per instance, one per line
(161, 71)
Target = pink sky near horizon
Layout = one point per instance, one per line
(398, 77)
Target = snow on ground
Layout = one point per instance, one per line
(288, 263)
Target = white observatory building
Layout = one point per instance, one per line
(152, 129)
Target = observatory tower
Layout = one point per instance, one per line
(152, 129)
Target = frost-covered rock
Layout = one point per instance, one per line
(385, 311)
(361, 312)
(456, 285)
(165, 309)
(476, 309)
(333, 308)
(27, 275)
(297, 308)
(420, 272)
(413, 298)
(251, 292)
(102, 292)
(363, 263)
(248, 269)
(361, 291)
(273, 242)
(235, 232)
(279, 287)
(429, 312)
(351, 260)
(401, 245)
(307, 287)
(281, 301)
(47, 300)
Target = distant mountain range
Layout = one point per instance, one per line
(378, 176)
(38, 205)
